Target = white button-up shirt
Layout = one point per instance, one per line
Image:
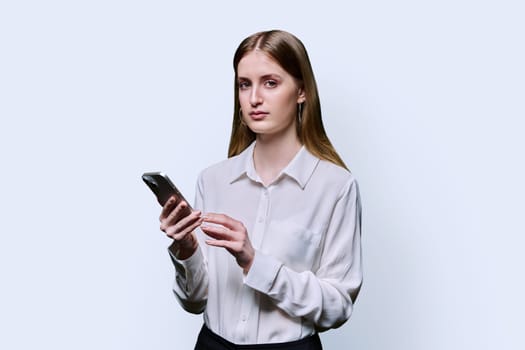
(305, 228)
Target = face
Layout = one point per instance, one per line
(268, 95)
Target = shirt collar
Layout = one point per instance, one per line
(243, 164)
(300, 168)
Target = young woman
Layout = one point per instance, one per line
(276, 256)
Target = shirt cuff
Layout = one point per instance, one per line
(263, 272)
(192, 263)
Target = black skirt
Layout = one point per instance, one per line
(208, 340)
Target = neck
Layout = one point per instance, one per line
(273, 154)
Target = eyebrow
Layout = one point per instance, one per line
(264, 77)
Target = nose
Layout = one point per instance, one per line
(255, 97)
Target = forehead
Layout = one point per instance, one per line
(257, 63)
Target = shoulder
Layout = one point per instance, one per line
(335, 174)
(229, 169)
(341, 183)
(221, 170)
(334, 181)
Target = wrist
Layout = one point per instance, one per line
(249, 263)
(182, 250)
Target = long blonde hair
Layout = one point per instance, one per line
(289, 52)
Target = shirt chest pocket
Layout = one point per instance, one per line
(296, 246)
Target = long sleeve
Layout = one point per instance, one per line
(191, 275)
(305, 228)
(324, 297)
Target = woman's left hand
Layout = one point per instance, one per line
(232, 235)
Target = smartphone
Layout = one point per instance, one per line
(161, 185)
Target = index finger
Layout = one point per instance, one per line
(171, 203)
(223, 220)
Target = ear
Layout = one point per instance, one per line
(301, 97)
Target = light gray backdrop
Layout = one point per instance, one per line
(423, 99)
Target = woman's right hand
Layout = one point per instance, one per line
(179, 222)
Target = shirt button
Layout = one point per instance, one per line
(260, 220)
(243, 318)
(265, 193)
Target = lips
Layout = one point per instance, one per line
(258, 115)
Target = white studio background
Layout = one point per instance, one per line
(423, 99)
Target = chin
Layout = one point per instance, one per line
(258, 129)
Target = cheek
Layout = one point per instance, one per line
(243, 103)
(244, 98)
(288, 104)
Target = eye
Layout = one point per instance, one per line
(270, 83)
(243, 85)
